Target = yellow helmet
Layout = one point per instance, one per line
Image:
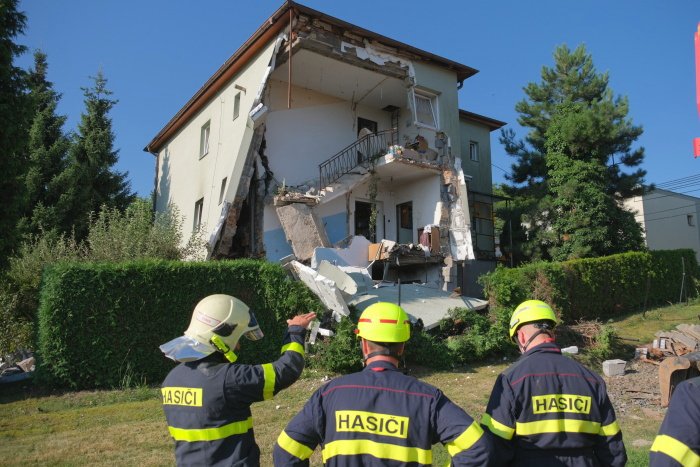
(218, 322)
(530, 311)
(384, 322)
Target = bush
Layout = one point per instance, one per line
(113, 236)
(472, 336)
(339, 354)
(100, 324)
(596, 287)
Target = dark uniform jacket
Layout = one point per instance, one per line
(546, 409)
(380, 416)
(207, 404)
(678, 441)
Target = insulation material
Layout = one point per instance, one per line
(216, 233)
(374, 55)
(460, 231)
(324, 288)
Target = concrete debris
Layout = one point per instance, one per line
(18, 371)
(614, 367)
(303, 230)
(355, 254)
(570, 350)
(324, 288)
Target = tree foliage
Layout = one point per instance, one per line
(47, 149)
(568, 174)
(91, 181)
(13, 123)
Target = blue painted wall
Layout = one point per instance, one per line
(276, 246)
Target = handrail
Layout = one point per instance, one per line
(361, 152)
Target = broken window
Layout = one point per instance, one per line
(204, 140)
(198, 208)
(363, 213)
(425, 109)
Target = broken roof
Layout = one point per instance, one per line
(272, 26)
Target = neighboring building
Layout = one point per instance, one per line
(269, 161)
(669, 220)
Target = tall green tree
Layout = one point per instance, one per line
(90, 181)
(13, 125)
(592, 133)
(47, 149)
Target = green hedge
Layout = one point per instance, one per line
(100, 324)
(596, 287)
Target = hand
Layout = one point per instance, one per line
(302, 320)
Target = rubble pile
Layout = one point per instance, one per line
(681, 341)
(16, 367)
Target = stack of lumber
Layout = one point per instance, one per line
(684, 339)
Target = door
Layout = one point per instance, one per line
(404, 217)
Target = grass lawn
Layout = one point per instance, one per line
(127, 427)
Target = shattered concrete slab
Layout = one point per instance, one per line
(350, 280)
(324, 288)
(354, 255)
(419, 301)
(303, 230)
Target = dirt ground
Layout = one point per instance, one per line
(637, 388)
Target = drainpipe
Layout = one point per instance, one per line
(289, 75)
(155, 183)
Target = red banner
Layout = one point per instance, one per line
(696, 147)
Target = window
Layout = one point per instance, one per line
(198, 208)
(223, 189)
(236, 105)
(474, 151)
(691, 220)
(204, 140)
(425, 109)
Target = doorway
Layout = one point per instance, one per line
(363, 213)
(404, 216)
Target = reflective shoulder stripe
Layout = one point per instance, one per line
(294, 447)
(466, 440)
(352, 447)
(211, 434)
(676, 450)
(294, 347)
(497, 428)
(609, 430)
(557, 425)
(269, 387)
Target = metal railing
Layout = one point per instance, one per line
(361, 152)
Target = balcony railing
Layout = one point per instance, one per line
(359, 153)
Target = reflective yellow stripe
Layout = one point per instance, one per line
(557, 426)
(293, 447)
(211, 434)
(294, 347)
(466, 440)
(497, 428)
(269, 387)
(676, 450)
(609, 430)
(351, 447)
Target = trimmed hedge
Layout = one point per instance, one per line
(596, 287)
(100, 324)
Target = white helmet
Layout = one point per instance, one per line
(218, 322)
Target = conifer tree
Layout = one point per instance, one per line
(90, 180)
(594, 134)
(47, 149)
(13, 125)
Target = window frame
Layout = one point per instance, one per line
(690, 218)
(474, 155)
(198, 209)
(237, 105)
(432, 100)
(204, 135)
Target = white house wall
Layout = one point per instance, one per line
(665, 220)
(197, 178)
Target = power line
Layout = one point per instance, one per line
(665, 210)
(667, 217)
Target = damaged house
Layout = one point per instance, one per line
(315, 131)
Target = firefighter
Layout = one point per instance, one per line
(678, 441)
(380, 416)
(207, 397)
(546, 409)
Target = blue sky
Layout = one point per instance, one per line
(157, 53)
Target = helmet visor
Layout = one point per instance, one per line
(254, 333)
